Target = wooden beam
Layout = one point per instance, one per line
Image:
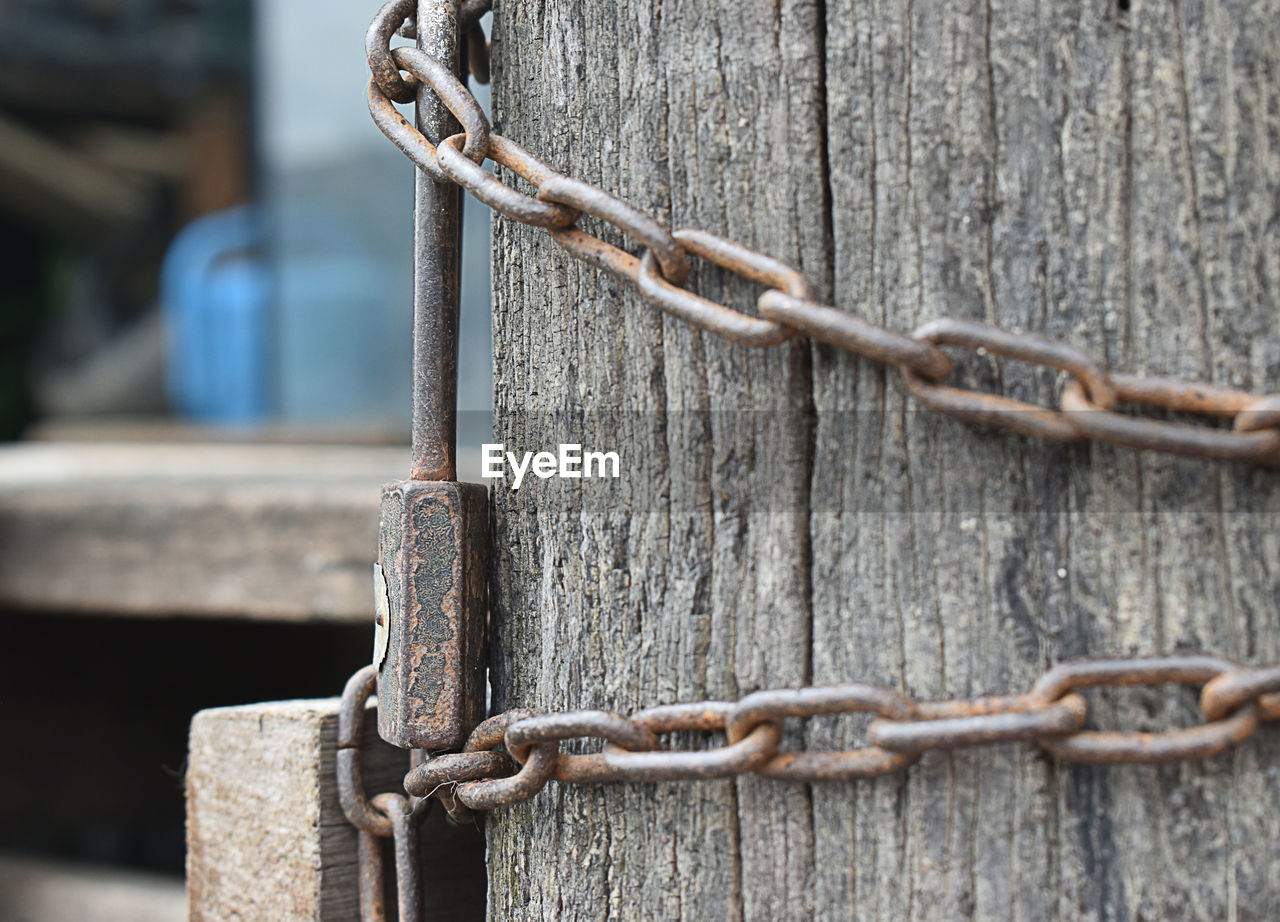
(266, 837)
(257, 531)
(790, 516)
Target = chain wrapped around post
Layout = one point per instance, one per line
(1235, 700)
(1090, 399)
(512, 756)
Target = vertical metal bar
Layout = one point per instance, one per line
(372, 905)
(408, 867)
(437, 219)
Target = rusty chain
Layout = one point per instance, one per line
(383, 816)
(1088, 406)
(512, 756)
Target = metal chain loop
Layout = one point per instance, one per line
(1235, 701)
(377, 49)
(1259, 413)
(1233, 690)
(491, 190)
(786, 307)
(625, 217)
(598, 253)
(995, 410)
(404, 837)
(723, 321)
(857, 698)
(984, 721)
(739, 757)
(453, 94)
(383, 816)
(1259, 447)
(845, 331)
(397, 18)
(533, 774)
(1145, 748)
(351, 717)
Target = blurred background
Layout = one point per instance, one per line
(205, 337)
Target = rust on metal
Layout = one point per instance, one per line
(455, 96)
(993, 410)
(723, 321)
(598, 253)
(1023, 347)
(499, 792)
(1154, 670)
(377, 41)
(492, 191)
(980, 728)
(454, 768)
(854, 698)
(633, 222)
(845, 331)
(1232, 690)
(746, 755)
(1258, 447)
(606, 725)
(997, 410)
(744, 261)
(431, 681)
(1259, 413)
(659, 271)
(351, 717)
(404, 838)
(437, 256)
(380, 817)
(707, 315)
(373, 907)
(1200, 742)
(401, 133)
(1235, 701)
(432, 530)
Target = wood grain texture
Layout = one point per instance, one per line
(1108, 176)
(266, 836)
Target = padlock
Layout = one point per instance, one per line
(430, 655)
(431, 585)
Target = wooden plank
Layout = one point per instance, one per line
(1102, 172)
(266, 837)
(41, 891)
(259, 531)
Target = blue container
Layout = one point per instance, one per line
(216, 293)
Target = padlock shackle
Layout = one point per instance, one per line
(437, 247)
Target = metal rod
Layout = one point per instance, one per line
(437, 219)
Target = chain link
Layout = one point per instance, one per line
(512, 756)
(383, 816)
(1088, 403)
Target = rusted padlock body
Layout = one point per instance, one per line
(431, 676)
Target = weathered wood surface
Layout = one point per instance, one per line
(41, 891)
(266, 836)
(1102, 174)
(258, 531)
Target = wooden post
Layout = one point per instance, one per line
(266, 837)
(1101, 172)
